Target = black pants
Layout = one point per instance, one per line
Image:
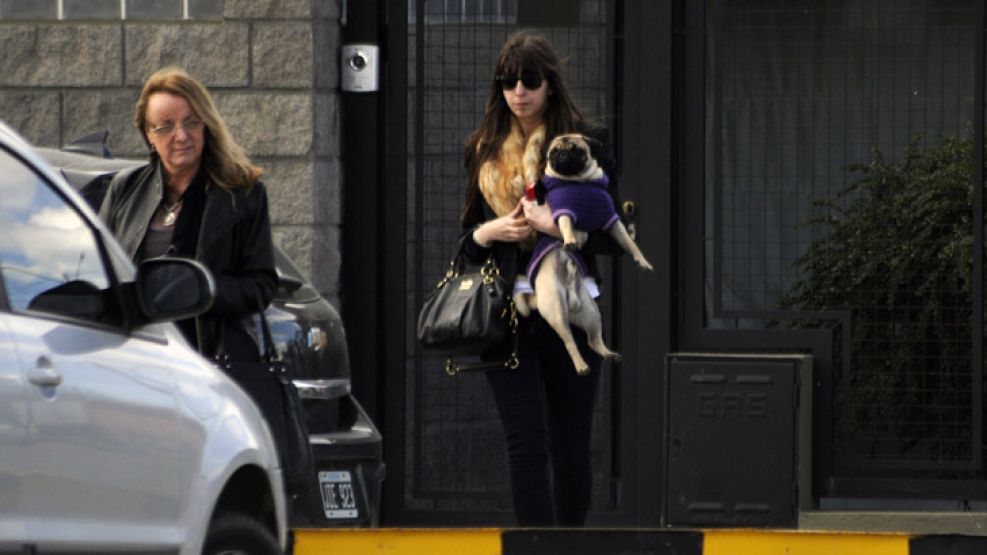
(547, 413)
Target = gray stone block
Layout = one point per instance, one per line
(316, 252)
(325, 122)
(64, 55)
(326, 54)
(86, 112)
(269, 124)
(203, 9)
(303, 192)
(289, 190)
(91, 9)
(327, 9)
(215, 54)
(328, 188)
(32, 114)
(29, 9)
(269, 9)
(282, 54)
(154, 9)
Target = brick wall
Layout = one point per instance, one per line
(71, 67)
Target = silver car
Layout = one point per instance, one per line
(115, 436)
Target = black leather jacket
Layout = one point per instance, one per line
(234, 242)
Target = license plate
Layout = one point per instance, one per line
(338, 497)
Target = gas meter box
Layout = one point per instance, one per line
(737, 439)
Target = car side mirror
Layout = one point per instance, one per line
(173, 289)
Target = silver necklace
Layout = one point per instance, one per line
(171, 212)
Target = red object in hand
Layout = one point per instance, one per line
(529, 191)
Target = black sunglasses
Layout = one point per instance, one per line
(531, 81)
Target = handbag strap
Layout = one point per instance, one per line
(458, 263)
(269, 353)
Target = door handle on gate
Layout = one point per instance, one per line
(43, 374)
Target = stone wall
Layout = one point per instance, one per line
(72, 67)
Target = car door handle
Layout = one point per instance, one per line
(43, 374)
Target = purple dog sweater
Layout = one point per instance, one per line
(545, 245)
(589, 205)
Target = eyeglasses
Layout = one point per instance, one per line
(531, 81)
(167, 129)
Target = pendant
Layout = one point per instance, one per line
(169, 218)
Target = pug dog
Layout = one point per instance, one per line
(576, 192)
(575, 188)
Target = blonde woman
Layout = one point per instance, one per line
(198, 197)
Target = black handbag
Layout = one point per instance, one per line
(269, 384)
(467, 313)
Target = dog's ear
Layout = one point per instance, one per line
(595, 145)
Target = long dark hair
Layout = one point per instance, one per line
(523, 52)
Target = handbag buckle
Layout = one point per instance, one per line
(451, 367)
(488, 271)
(450, 274)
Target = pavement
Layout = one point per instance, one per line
(495, 541)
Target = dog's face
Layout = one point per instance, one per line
(569, 157)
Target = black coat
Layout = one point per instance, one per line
(232, 239)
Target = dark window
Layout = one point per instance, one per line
(548, 13)
(154, 9)
(205, 8)
(29, 9)
(91, 9)
(466, 11)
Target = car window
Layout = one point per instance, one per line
(49, 257)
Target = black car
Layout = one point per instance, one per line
(309, 334)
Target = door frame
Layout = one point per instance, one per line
(374, 132)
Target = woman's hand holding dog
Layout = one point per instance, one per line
(540, 218)
(510, 228)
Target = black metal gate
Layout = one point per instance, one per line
(404, 185)
(834, 205)
(807, 175)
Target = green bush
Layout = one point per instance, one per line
(897, 253)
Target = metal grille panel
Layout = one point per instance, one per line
(797, 94)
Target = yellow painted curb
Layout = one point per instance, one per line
(484, 541)
(801, 543)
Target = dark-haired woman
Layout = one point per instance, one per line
(546, 408)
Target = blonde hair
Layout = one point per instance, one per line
(224, 161)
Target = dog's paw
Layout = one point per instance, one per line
(570, 246)
(644, 265)
(524, 303)
(580, 236)
(615, 357)
(582, 371)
